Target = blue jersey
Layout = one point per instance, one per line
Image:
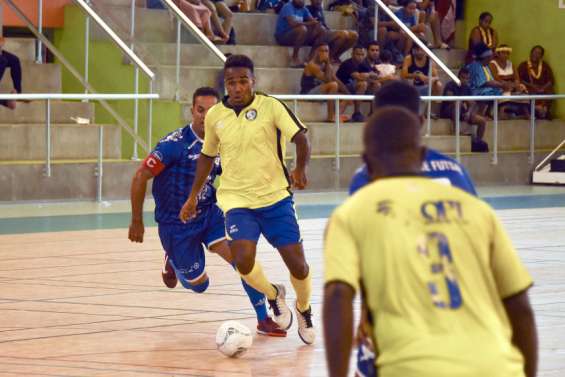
(436, 166)
(173, 163)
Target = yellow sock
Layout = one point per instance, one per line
(303, 289)
(257, 279)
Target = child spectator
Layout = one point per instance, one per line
(339, 40)
(297, 28)
(8, 60)
(537, 76)
(358, 78)
(471, 112)
(386, 70)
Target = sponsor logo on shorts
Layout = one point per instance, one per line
(233, 229)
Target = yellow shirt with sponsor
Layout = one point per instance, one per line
(435, 264)
(251, 146)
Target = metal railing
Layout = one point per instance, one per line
(83, 80)
(79, 97)
(457, 99)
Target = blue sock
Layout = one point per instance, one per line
(257, 299)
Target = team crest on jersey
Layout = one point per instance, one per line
(251, 114)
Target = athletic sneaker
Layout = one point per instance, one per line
(306, 330)
(168, 274)
(281, 311)
(270, 328)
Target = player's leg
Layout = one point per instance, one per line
(168, 273)
(215, 239)
(243, 233)
(188, 259)
(279, 225)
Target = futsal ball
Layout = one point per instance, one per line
(233, 339)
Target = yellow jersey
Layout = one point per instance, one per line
(252, 146)
(435, 264)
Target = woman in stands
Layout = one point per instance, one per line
(482, 33)
(319, 78)
(200, 15)
(503, 70)
(537, 76)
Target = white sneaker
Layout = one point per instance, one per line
(281, 312)
(306, 330)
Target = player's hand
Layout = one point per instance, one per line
(298, 179)
(188, 210)
(136, 230)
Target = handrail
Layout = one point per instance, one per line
(76, 96)
(132, 55)
(76, 74)
(189, 24)
(417, 40)
(353, 97)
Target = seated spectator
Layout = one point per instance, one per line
(503, 70)
(366, 24)
(373, 55)
(219, 8)
(8, 60)
(200, 15)
(386, 70)
(470, 112)
(297, 28)
(319, 78)
(483, 33)
(339, 40)
(537, 76)
(429, 15)
(408, 14)
(416, 67)
(483, 82)
(358, 78)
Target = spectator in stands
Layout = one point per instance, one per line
(339, 40)
(386, 70)
(417, 67)
(483, 82)
(471, 113)
(200, 15)
(8, 60)
(297, 28)
(219, 8)
(503, 70)
(408, 14)
(483, 33)
(429, 15)
(373, 55)
(358, 78)
(319, 77)
(537, 76)
(366, 25)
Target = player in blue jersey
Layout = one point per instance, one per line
(172, 164)
(436, 166)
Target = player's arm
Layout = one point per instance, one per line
(299, 179)
(204, 166)
(342, 273)
(513, 281)
(524, 333)
(137, 196)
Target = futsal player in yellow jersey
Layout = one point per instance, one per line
(249, 131)
(445, 290)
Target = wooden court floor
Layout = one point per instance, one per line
(90, 303)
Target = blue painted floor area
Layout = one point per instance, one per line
(18, 225)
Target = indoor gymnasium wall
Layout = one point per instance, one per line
(108, 74)
(523, 24)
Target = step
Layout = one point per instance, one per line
(77, 180)
(34, 112)
(69, 141)
(36, 78)
(515, 134)
(23, 48)
(155, 25)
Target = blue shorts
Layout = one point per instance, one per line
(277, 223)
(183, 242)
